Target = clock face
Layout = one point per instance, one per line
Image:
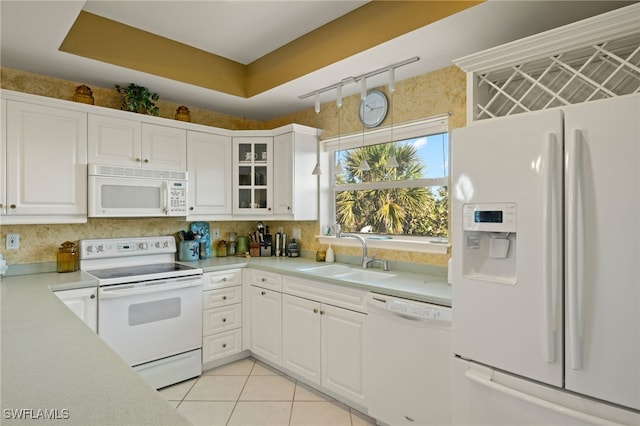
(373, 108)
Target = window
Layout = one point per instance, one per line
(409, 200)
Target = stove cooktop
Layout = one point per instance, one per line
(143, 272)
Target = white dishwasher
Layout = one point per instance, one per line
(408, 361)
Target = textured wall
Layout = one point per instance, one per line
(428, 94)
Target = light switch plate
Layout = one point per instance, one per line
(215, 234)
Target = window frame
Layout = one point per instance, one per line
(409, 130)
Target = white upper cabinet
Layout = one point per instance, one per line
(46, 164)
(209, 168)
(253, 175)
(295, 191)
(130, 143)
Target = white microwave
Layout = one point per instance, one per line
(136, 192)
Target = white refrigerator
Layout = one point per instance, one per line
(546, 266)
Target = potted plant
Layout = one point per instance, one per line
(137, 99)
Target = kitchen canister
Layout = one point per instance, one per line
(67, 257)
(189, 250)
(243, 245)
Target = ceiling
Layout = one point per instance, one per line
(245, 31)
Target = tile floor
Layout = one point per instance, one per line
(248, 392)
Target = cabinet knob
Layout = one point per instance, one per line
(321, 312)
(263, 279)
(263, 293)
(269, 208)
(13, 206)
(224, 279)
(138, 160)
(288, 207)
(191, 208)
(224, 297)
(224, 320)
(224, 345)
(1, 206)
(146, 160)
(93, 296)
(315, 310)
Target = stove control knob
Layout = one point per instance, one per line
(143, 246)
(165, 244)
(89, 249)
(100, 248)
(158, 244)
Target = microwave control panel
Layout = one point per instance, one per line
(177, 198)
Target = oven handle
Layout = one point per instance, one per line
(124, 290)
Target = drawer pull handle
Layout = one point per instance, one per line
(224, 297)
(224, 279)
(224, 320)
(263, 293)
(224, 345)
(263, 279)
(13, 206)
(315, 310)
(321, 312)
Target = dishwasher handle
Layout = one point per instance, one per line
(406, 308)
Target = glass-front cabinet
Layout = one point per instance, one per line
(253, 175)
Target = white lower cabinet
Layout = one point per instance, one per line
(324, 344)
(266, 323)
(84, 303)
(221, 315)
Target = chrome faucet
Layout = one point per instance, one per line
(366, 259)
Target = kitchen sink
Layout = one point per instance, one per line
(364, 275)
(346, 273)
(327, 270)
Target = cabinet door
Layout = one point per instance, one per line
(342, 352)
(83, 303)
(3, 156)
(295, 193)
(301, 336)
(283, 174)
(266, 324)
(46, 161)
(114, 141)
(163, 147)
(209, 167)
(253, 175)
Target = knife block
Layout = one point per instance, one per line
(254, 248)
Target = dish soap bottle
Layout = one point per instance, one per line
(330, 257)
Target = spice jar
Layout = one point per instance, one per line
(221, 251)
(67, 258)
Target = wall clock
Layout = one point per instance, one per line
(373, 108)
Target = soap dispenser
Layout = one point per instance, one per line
(329, 257)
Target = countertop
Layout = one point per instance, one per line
(431, 287)
(52, 361)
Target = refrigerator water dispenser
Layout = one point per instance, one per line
(489, 252)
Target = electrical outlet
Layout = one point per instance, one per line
(295, 233)
(215, 234)
(13, 241)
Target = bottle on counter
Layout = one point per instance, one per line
(330, 257)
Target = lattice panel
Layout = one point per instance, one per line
(594, 72)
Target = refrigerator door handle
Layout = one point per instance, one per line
(534, 400)
(550, 268)
(574, 212)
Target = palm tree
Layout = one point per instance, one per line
(385, 211)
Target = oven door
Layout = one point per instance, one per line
(150, 320)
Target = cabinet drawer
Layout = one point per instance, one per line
(221, 319)
(221, 279)
(267, 280)
(336, 295)
(221, 345)
(221, 297)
